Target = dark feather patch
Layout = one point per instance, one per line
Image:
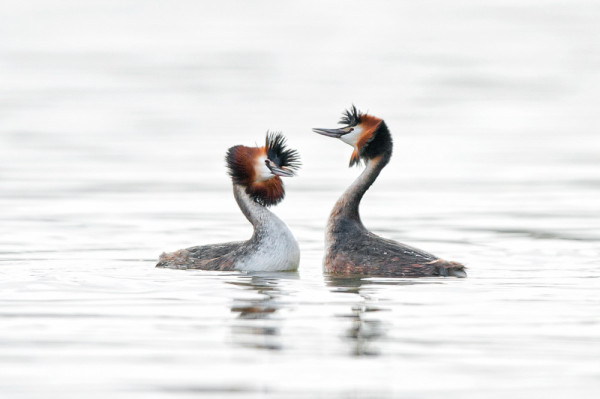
(379, 143)
(268, 192)
(238, 160)
(280, 155)
(350, 117)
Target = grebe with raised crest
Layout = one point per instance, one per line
(349, 247)
(256, 175)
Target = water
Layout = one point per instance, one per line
(115, 117)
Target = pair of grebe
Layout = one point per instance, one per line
(350, 249)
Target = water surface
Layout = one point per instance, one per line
(115, 117)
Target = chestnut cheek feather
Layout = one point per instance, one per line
(369, 125)
(244, 169)
(241, 162)
(355, 158)
(267, 192)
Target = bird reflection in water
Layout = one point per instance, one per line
(367, 327)
(257, 325)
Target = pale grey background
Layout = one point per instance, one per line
(114, 119)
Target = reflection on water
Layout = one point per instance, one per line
(367, 329)
(257, 324)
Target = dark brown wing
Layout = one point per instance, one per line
(214, 250)
(199, 257)
(358, 251)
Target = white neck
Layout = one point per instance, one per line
(272, 246)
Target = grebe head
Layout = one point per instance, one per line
(258, 169)
(367, 134)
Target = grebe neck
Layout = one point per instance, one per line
(257, 214)
(272, 246)
(347, 205)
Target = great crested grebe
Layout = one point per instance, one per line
(255, 173)
(349, 247)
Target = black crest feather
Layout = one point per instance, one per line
(350, 117)
(278, 153)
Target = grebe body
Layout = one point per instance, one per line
(255, 173)
(349, 247)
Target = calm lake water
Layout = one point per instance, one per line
(115, 117)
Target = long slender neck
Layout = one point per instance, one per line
(347, 205)
(258, 215)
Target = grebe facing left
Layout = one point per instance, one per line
(255, 173)
(349, 247)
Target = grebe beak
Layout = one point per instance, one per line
(336, 133)
(277, 171)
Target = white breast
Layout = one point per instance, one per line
(276, 250)
(272, 247)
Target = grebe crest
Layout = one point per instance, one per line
(258, 169)
(367, 134)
